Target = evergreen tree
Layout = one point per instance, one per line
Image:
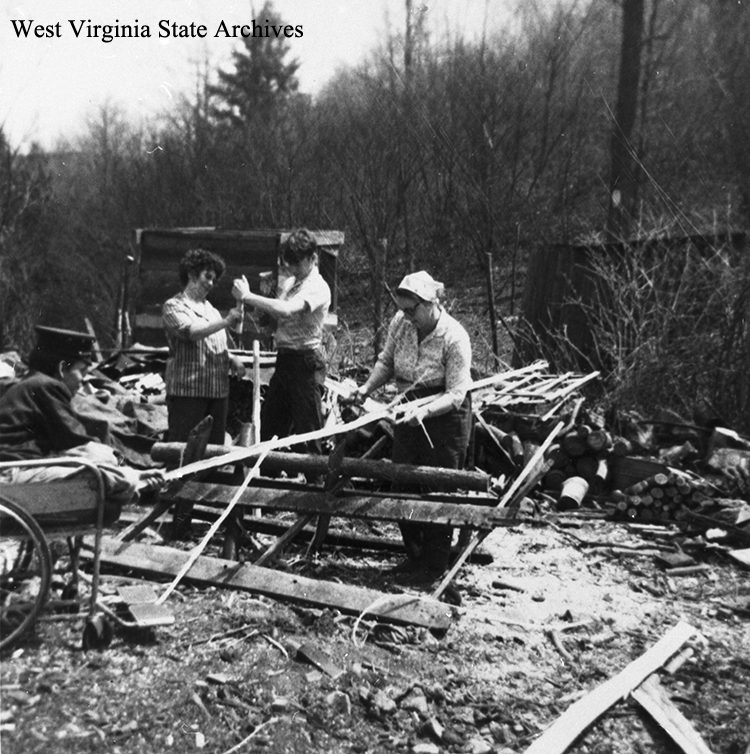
(261, 78)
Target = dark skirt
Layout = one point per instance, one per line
(449, 435)
(429, 545)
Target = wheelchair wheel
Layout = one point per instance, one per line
(25, 572)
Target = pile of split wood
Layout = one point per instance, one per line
(663, 497)
(663, 470)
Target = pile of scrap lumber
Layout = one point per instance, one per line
(516, 414)
(622, 467)
(536, 448)
(617, 464)
(319, 488)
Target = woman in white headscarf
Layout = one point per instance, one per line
(428, 353)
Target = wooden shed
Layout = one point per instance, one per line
(557, 278)
(563, 285)
(153, 277)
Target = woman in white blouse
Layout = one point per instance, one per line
(428, 353)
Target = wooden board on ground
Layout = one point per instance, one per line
(365, 507)
(561, 734)
(709, 522)
(167, 561)
(315, 657)
(653, 698)
(288, 536)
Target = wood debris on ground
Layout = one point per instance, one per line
(540, 450)
(663, 472)
(561, 734)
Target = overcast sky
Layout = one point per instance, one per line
(49, 84)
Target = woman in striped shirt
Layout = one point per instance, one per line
(199, 361)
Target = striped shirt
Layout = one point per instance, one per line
(195, 368)
(441, 360)
(304, 331)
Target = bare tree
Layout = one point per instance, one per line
(24, 187)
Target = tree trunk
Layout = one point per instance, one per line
(380, 267)
(492, 310)
(732, 21)
(624, 161)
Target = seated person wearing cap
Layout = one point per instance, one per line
(428, 353)
(37, 420)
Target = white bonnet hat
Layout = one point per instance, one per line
(421, 284)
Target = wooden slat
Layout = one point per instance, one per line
(652, 697)
(134, 529)
(529, 476)
(561, 734)
(167, 561)
(365, 507)
(282, 541)
(336, 538)
(196, 551)
(68, 496)
(709, 522)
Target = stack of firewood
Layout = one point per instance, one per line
(661, 497)
(582, 452)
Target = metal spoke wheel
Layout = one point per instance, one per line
(25, 572)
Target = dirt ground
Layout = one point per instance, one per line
(226, 677)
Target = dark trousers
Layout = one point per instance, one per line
(292, 404)
(430, 544)
(185, 413)
(182, 416)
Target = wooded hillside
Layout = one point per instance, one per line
(454, 155)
